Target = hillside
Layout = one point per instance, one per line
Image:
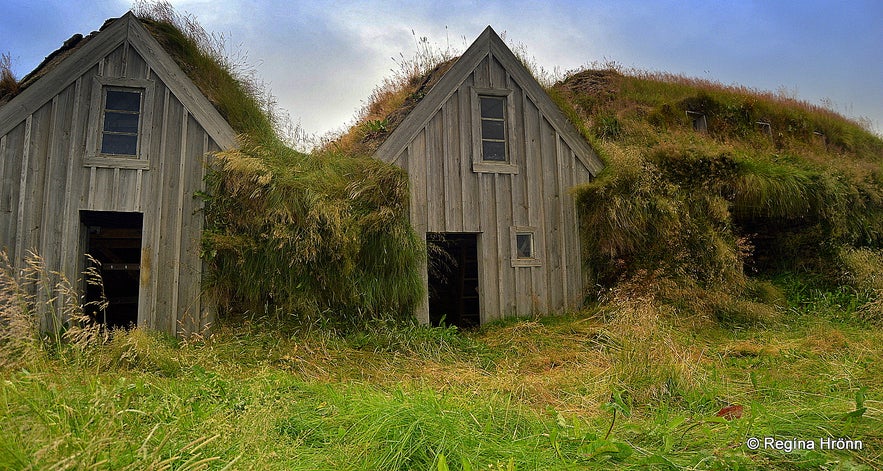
(711, 183)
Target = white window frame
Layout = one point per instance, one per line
(94, 156)
(536, 248)
(479, 165)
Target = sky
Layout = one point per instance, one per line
(321, 60)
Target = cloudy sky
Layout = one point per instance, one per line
(322, 59)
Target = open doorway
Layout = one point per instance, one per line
(453, 279)
(114, 240)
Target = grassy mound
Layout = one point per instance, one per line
(321, 235)
(758, 182)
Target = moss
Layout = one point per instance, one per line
(307, 236)
(737, 198)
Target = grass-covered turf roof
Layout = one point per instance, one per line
(288, 233)
(772, 184)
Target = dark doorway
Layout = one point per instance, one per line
(114, 240)
(453, 279)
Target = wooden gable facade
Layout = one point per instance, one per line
(105, 153)
(490, 159)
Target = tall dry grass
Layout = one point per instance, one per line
(41, 313)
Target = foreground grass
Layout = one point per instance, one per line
(527, 394)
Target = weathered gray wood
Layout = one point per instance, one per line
(497, 73)
(417, 167)
(451, 177)
(70, 219)
(503, 216)
(434, 176)
(24, 155)
(50, 168)
(489, 292)
(11, 188)
(191, 173)
(438, 144)
(47, 177)
(468, 180)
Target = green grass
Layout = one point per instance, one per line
(709, 206)
(520, 394)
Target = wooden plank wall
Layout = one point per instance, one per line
(44, 184)
(447, 196)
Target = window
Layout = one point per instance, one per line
(122, 110)
(697, 119)
(492, 121)
(765, 128)
(493, 128)
(525, 250)
(119, 123)
(524, 245)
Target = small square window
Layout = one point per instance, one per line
(526, 250)
(121, 116)
(698, 121)
(765, 128)
(524, 245)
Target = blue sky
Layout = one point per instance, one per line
(322, 59)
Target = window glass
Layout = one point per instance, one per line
(119, 144)
(122, 100)
(492, 107)
(122, 109)
(524, 245)
(120, 122)
(493, 151)
(493, 128)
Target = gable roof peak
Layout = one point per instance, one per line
(488, 44)
(115, 32)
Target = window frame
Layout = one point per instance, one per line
(510, 164)
(698, 121)
(536, 248)
(100, 87)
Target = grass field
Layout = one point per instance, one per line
(635, 384)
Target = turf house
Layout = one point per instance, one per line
(490, 160)
(102, 152)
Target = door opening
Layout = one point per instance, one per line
(114, 240)
(453, 279)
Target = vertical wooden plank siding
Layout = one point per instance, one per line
(25, 154)
(535, 201)
(468, 180)
(447, 195)
(190, 231)
(4, 193)
(10, 191)
(45, 184)
(434, 176)
(452, 176)
(70, 218)
(489, 290)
